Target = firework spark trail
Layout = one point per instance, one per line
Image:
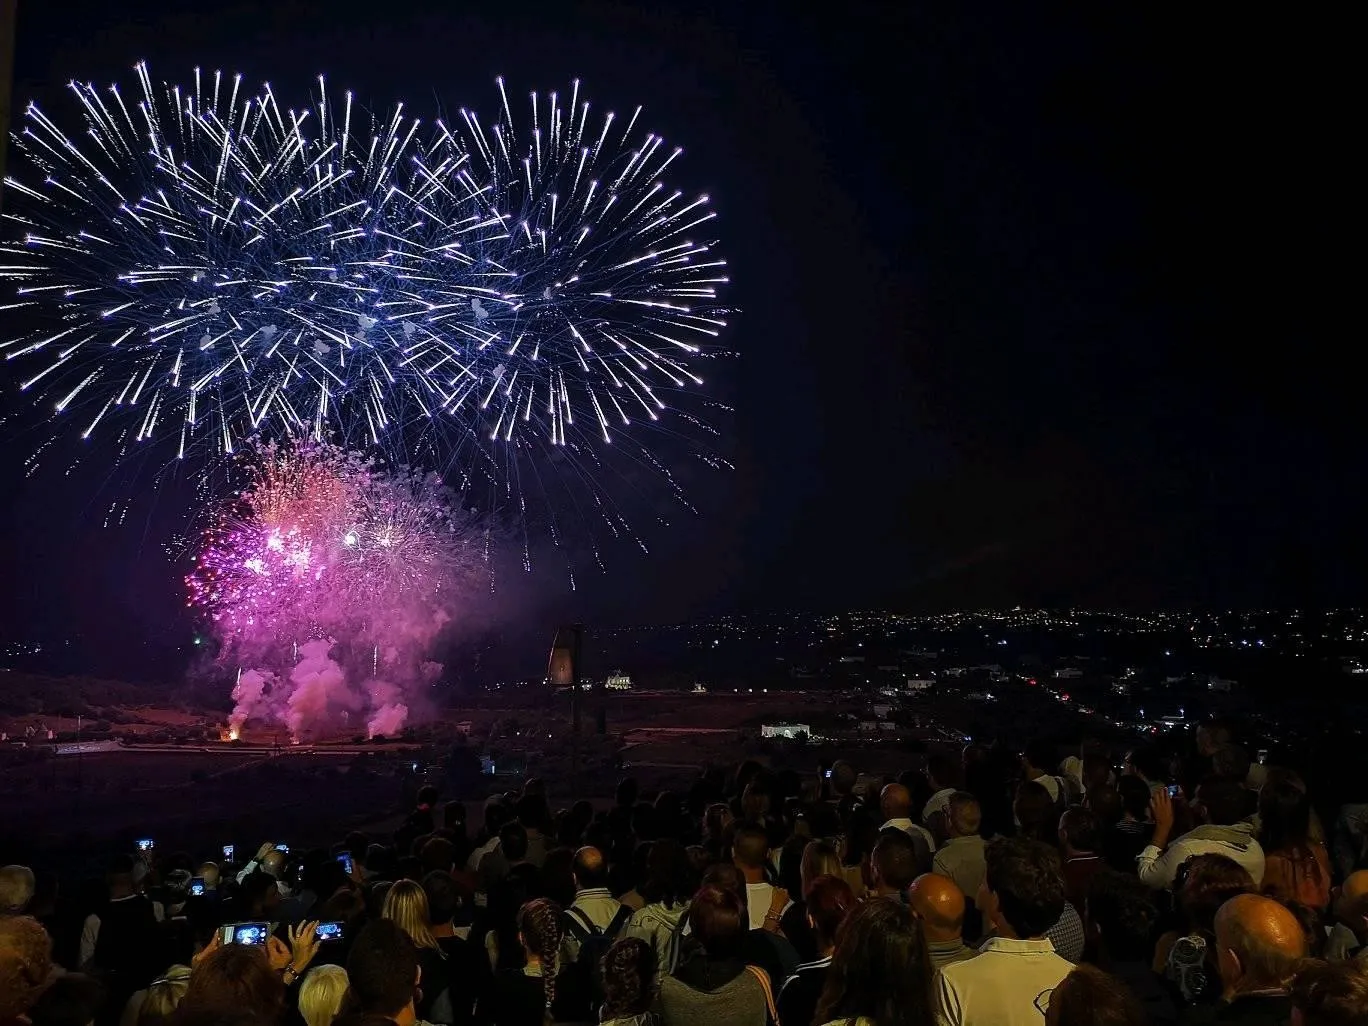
(221, 267)
(329, 579)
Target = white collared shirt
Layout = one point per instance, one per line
(1008, 983)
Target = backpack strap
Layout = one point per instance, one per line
(763, 979)
(579, 923)
(619, 920)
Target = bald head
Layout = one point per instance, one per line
(1259, 943)
(895, 802)
(939, 904)
(274, 862)
(590, 869)
(1351, 903)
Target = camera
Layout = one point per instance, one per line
(1263, 757)
(284, 849)
(146, 844)
(228, 851)
(1175, 791)
(345, 860)
(197, 887)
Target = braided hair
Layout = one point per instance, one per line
(539, 925)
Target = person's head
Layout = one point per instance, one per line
(1258, 944)
(1089, 997)
(1035, 811)
(939, 903)
(894, 862)
(259, 895)
(438, 854)
(1207, 883)
(828, 900)
(1096, 770)
(880, 971)
(406, 905)
(1330, 994)
(1222, 802)
(428, 796)
(236, 976)
(719, 920)
(590, 869)
(321, 993)
(119, 877)
(1038, 757)
(1022, 894)
(627, 792)
(1135, 796)
(1079, 831)
(895, 802)
(1284, 817)
(963, 815)
(843, 777)
(209, 873)
(17, 884)
(942, 770)
(25, 962)
(1123, 914)
(539, 930)
(1351, 902)
(443, 898)
(628, 972)
(1231, 762)
(819, 859)
(72, 999)
(513, 841)
(1105, 803)
(164, 995)
(1211, 736)
(273, 864)
(669, 876)
(1147, 763)
(382, 970)
(750, 849)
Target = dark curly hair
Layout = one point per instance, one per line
(628, 970)
(880, 972)
(1121, 907)
(1208, 882)
(1028, 881)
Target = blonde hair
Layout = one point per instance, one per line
(164, 996)
(406, 905)
(819, 859)
(321, 993)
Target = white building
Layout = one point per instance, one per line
(619, 681)
(789, 730)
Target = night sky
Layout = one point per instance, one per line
(1035, 307)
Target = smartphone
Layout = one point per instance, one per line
(345, 860)
(331, 931)
(1263, 756)
(228, 851)
(284, 848)
(146, 844)
(246, 933)
(827, 774)
(1175, 791)
(197, 886)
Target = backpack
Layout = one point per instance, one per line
(593, 943)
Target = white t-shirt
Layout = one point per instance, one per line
(759, 897)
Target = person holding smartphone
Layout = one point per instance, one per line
(1223, 806)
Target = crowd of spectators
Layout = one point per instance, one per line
(996, 888)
